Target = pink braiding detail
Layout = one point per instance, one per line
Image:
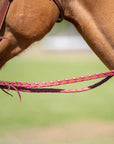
(98, 75)
(105, 73)
(67, 81)
(40, 87)
(60, 82)
(90, 76)
(83, 78)
(75, 80)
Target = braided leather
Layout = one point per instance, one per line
(42, 86)
(3, 11)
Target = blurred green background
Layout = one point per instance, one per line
(49, 109)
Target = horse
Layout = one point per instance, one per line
(95, 21)
(29, 21)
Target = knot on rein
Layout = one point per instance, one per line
(41, 87)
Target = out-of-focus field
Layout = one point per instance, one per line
(79, 118)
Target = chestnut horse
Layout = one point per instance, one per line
(29, 21)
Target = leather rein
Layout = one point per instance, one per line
(3, 12)
(61, 15)
(42, 86)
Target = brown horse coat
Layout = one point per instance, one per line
(28, 21)
(94, 19)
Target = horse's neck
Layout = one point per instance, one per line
(94, 20)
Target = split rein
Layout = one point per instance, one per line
(42, 87)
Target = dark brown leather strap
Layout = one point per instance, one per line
(59, 5)
(3, 11)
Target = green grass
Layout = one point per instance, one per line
(50, 109)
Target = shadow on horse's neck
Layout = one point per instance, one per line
(88, 22)
(2, 30)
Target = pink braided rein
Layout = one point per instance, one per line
(42, 86)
